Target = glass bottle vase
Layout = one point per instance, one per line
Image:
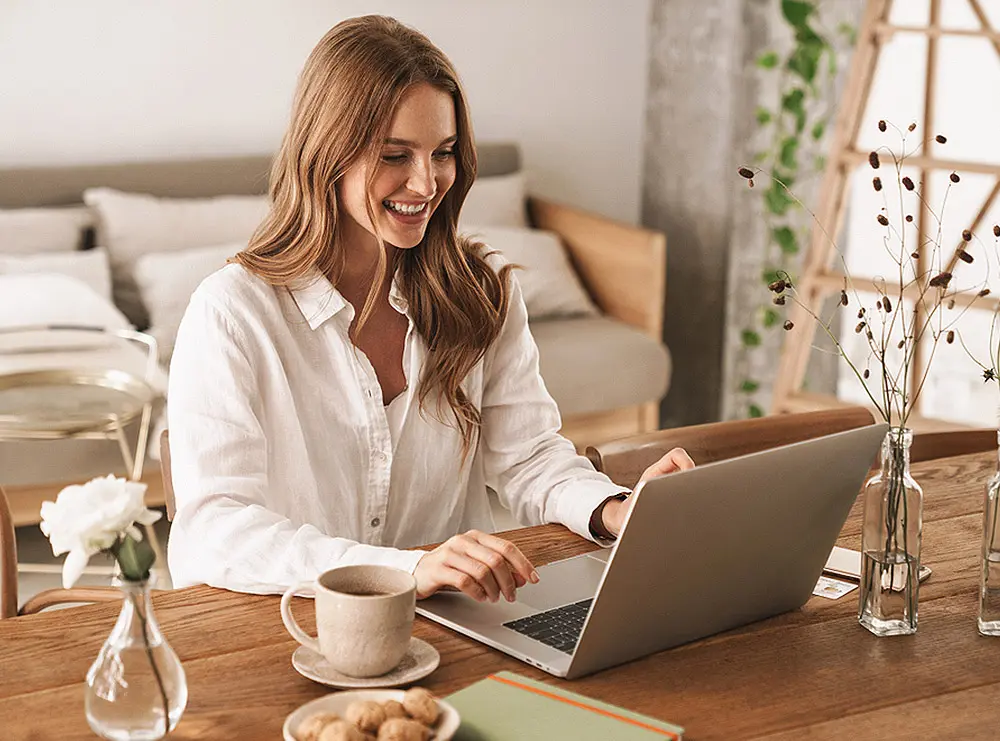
(890, 542)
(136, 688)
(989, 590)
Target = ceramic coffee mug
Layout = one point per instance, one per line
(364, 617)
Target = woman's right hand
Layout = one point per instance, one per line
(480, 565)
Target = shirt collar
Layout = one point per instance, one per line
(316, 298)
(319, 300)
(396, 298)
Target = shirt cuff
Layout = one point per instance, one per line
(577, 502)
(380, 556)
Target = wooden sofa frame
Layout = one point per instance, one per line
(624, 269)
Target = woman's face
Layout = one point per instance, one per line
(415, 169)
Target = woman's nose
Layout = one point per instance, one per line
(421, 180)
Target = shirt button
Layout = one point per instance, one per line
(376, 522)
(380, 456)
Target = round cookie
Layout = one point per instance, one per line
(421, 705)
(367, 715)
(340, 730)
(403, 729)
(310, 728)
(394, 709)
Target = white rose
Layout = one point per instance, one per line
(89, 518)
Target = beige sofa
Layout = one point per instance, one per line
(607, 373)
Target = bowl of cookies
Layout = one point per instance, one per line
(373, 715)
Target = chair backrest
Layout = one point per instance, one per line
(928, 446)
(623, 461)
(8, 560)
(168, 483)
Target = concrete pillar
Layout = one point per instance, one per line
(704, 88)
(687, 187)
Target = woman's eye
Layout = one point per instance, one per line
(398, 159)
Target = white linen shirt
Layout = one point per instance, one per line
(282, 460)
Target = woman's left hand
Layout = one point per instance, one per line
(613, 515)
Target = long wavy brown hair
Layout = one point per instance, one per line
(346, 96)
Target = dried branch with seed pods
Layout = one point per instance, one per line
(915, 307)
(991, 367)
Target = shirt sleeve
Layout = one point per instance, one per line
(223, 534)
(535, 471)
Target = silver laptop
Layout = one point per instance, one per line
(702, 551)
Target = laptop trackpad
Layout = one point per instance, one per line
(563, 582)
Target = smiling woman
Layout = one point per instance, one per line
(380, 114)
(354, 384)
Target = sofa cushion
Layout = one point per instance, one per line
(495, 201)
(26, 231)
(595, 364)
(166, 281)
(550, 286)
(52, 299)
(89, 266)
(130, 225)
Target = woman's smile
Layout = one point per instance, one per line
(409, 213)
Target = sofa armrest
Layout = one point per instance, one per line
(623, 268)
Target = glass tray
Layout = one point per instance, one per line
(51, 404)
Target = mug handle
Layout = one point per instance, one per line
(286, 615)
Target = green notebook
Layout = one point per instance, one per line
(509, 707)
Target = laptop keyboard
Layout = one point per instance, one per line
(559, 628)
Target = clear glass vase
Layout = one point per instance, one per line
(136, 689)
(890, 542)
(989, 591)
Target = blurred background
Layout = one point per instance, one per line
(637, 110)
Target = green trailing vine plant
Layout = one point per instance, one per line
(795, 125)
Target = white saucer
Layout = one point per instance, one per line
(419, 661)
(338, 701)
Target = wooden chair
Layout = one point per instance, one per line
(8, 561)
(623, 461)
(42, 600)
(928, 446)
(168, 482)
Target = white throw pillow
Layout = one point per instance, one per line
(166, 281)
(27, 231)
(548, 281)
(131, 225)
(53, 300)
(495, 201)
(89, 266)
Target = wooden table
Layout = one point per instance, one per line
(813, 673)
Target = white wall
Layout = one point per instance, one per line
(114, 80)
